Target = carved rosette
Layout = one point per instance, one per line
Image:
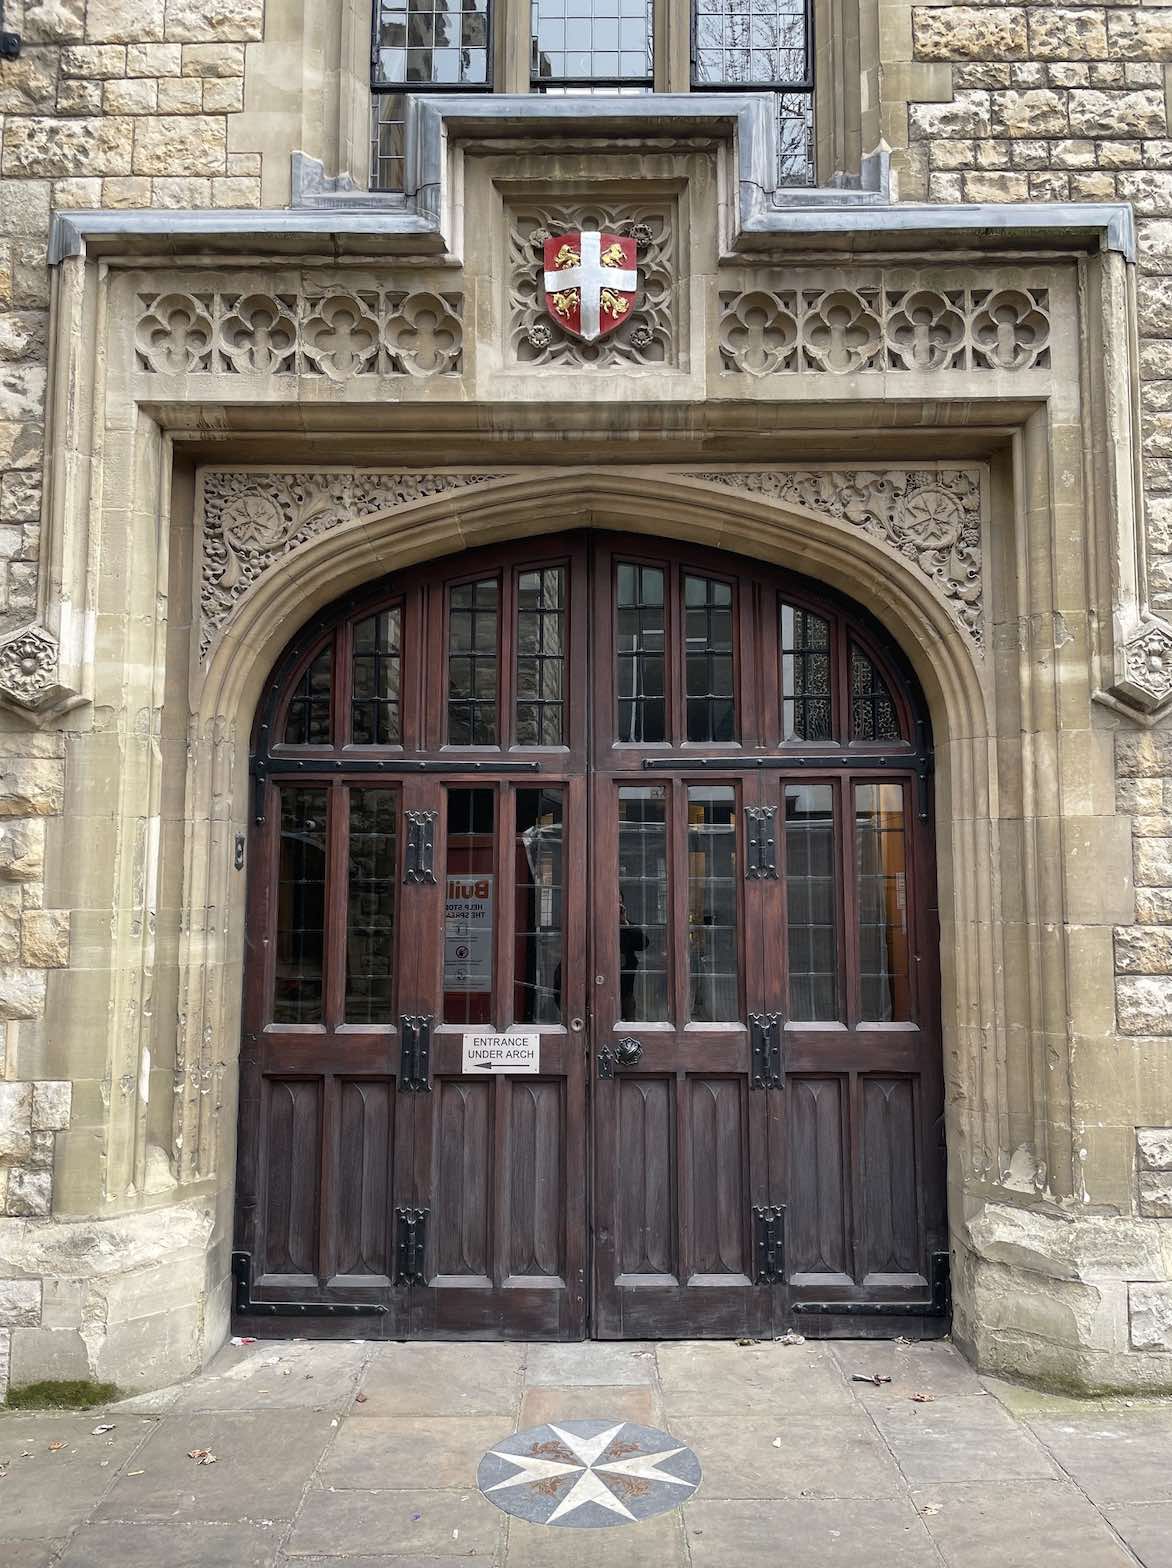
(249, 521)
(931, 516)
(28, 673)
(1145, 661)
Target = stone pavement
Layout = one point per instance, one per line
(368, 1455)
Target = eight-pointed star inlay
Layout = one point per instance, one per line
(588, 1473)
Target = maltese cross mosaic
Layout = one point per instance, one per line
(588, 1473)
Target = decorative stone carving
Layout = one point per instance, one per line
(250, 520)
(1146, 662)
(28, 673)
(767, 332)
(931, 516)
(647, 337)
(337, 334)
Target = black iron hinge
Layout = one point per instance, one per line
(415, 1053)
(410, 1241)
(244, 1306)
(938, 1305)
(769, 1242)
(419, 858)
(767, 1064)
(760, 842)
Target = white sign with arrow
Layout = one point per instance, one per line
(502, 1053)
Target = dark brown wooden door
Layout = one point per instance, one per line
(664, 811)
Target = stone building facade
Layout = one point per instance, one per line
(235, 385)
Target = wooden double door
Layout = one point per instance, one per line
(651, 824)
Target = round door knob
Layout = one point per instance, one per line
(628, 1051)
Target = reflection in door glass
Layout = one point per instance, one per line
(374, 692)
(643, 904)
(639, 657)
(470, 889)
(712, 904)
(472, 664)
(301, 908)
(810, 885)
(881, 868)
(370, 907)
(537, 954)
(708, 646)
(541, 657)
(805, 675)
(307, 722)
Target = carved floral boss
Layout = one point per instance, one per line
(591, 281)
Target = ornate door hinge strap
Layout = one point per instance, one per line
(938, 1305)
(419, 857)
(760, 842)
(410, 1242)
(769, 1242)
(244, 1306)
(767, 1069)
(415, 1053)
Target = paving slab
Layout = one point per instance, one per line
(625, 1403)
(961, 1439)
(30, 1554)
(655, 1543)
(263, 1463)
(385, 1453)
(46, 1494)
(925, 1366)
(721, 1378)
(1122, 1457)
(175, 1546)
(418, 1523)
(562, 1365)
(443, 1380)
(813, 1533)
(387, 1562)
(1147, 1529)
(758, 1455)
(277, 1375)
(1034, 1525)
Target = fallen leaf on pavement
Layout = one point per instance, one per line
(136, 1472)
(202, 1456)
(242, 1339)
(791, 1338)
(923, 1399)
(55, 1448)
(776, 1443)
(98, 1430)
(359, 1399)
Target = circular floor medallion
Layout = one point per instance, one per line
(588, 1473)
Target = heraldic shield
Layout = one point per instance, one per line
(591, 282)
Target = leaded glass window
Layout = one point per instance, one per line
(873, 713)
(307, 719)
(712, 905)
(431, 43)
(541, 657)
(806, 712)
(472, 664)
(640, 653)
(708, 648)
(591, 41)
(375, 718)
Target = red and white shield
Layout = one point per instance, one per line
(591, 281)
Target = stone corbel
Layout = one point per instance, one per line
(29, 686)
(1142, 688)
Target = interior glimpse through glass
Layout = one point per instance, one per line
(472, 663)
(376, 676)
(806, 711)
(299, 989)
(370, 906)
(713, 994)
(307, 719)
(640, 652)
(643, 906)
(708, 648)
(470, 906)
(541, 657)
(811, 885)
(538, 942)
(881, 870)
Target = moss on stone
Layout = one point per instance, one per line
(67, 1394)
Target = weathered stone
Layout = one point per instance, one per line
(28, 84)
(5, 1360)
(1142, 34)
(22, 850)
(154, 59)
(51, 1104)
(20, 1303)
(1154, 1148)
(1142, 950)
(180, 95)
(195, 145)
(31, 787)
(77, 97)
(30, 1192)
(22, 993)
(16, 1112)
(213, 60)
(1118, 114)
(1155, 1194)
(1067, 34)
(112, 21)
(1153, 862)
(1069, 74)
(53, 21)
(132, 95)
(1153, 905)
(996, 187)
(44, 938)
(1144, 1004)
(1033, 112)
(223, 95)
(197, 20)
(966, 115)
(963, 32)
(52, 147)
(1150, 1314)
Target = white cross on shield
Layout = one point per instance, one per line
(591, 281)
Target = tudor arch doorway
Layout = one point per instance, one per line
(666, 811)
